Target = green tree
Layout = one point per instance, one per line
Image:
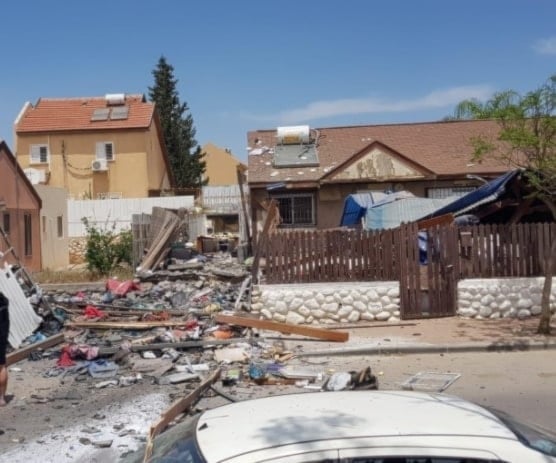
(107, 249)
(526, 139)
(186, 157)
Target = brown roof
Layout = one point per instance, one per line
(442, 148)
(61, 114)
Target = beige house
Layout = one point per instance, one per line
(221, 166)
(100, 147)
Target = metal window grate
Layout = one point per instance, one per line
(296, 209)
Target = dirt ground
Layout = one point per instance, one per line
(67, 418)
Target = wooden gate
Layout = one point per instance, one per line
(427, 271)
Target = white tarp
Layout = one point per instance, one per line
(23, 319)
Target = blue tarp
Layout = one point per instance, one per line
(485, 194)
(356, 205)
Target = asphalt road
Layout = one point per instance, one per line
(522, 384)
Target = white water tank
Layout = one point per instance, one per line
(115, 98)
(293, 135)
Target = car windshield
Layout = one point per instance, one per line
(177, 444)
(533, 437)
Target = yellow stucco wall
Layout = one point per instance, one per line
(221, 166)
(54, 245)
(137, 167)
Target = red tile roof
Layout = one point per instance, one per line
(441, 147)
(61, 114)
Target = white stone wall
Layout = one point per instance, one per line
(502, 297)
(321, 303)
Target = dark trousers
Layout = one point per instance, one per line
(4, 331)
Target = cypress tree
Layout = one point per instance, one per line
(186, 157)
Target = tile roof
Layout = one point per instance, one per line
(61, 114)
(443, 148)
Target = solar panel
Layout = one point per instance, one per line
(100, 114)
(295, 156)
(119, 113)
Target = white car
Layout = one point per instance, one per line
(353, 427)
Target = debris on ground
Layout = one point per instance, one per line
(183, 321)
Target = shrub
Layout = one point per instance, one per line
(106, 249)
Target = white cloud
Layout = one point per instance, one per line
(546, 46)
(351, 106)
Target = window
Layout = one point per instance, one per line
(440, 193)
(296, 210)
(39, 154)
(6, 223)
(105, 150)
(28, 231)
(60, 226)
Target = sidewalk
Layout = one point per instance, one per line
(439, 335)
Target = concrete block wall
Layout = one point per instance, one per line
(322, 303)
(502, 297)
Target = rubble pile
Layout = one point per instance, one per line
(183, 321)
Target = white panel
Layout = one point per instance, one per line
(23, 319)
(104, 213)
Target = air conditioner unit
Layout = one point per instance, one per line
(99, 165)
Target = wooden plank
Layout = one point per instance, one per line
(301, 242)
(124, 325)
(445, 219)
(24, 352)
(371, 253)
(271, 218)
(320, 333)
(519, 248)
(104, 351)
(178, 407)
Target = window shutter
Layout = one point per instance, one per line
(105, 150)
(100, 150)
(35, 153)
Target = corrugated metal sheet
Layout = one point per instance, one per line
(117, 212)
(225, 198)
(23, 319)
(393, 214)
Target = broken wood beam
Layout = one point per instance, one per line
(178, 407)
(286, 328)
(104, 351)
(24, 352)
(124, 325)
(445, 219)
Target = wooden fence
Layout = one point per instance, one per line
(310, 256)
(338, 255)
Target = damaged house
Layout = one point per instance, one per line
(311, 171)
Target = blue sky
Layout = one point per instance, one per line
(245, 65)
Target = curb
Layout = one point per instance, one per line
(511, 346)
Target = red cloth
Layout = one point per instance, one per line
(65, 358)
(121, 288)
(92, 312)
(82, 351)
